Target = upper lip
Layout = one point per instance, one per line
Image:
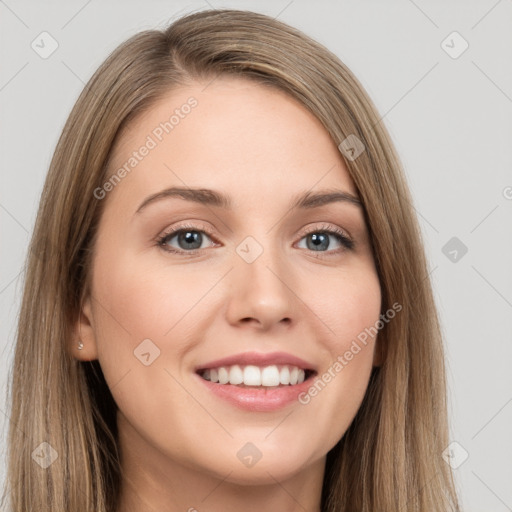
(258, 359)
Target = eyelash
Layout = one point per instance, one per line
(162, 240)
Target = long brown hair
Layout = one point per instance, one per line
(390, 458)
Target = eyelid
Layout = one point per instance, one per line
(183, 227)
(333, 230)
(326, 226)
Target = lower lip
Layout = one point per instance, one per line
(257, 399)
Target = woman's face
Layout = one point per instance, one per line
(260, 276)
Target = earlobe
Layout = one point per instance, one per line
(83, 343)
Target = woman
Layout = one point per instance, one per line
(292, 358)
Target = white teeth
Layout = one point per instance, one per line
(250, 375)
(236, 375)
(294, 374)
(223, 376)
(270, 376)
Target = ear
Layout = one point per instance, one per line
(84, 334)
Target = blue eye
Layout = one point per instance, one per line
(188, 236)
(319, 239)
(190, 239)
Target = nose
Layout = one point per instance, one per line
(262, 293)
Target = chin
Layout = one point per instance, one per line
(247, 466)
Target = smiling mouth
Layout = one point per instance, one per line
(251, 376)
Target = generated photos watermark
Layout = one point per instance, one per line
(343, 360)
(152, 140)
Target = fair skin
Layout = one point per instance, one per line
(179, 442)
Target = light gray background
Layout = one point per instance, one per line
(450, 118)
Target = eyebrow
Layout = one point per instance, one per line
(306, 200)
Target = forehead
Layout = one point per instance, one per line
(230, 133)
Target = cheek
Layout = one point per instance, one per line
(145, 302)
(349, 307)
(350, 312)
(136, 313)
(145, 317)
